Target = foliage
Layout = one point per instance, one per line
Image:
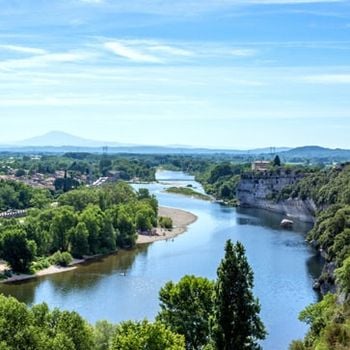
(144, 335)
(236, 323)
(62, 259)
(16, 195)
(221, 180)
(39, 328)
(17, 250)
(86, 221)
(329, 326)
(103, 333)
(186, 307)
(276, 161)
(343, 276)
(186, 191)
(165, 222)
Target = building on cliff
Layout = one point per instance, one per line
(261, 165)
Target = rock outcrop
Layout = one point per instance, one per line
(260, 190)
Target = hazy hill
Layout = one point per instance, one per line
(59, 139)
(61, 142)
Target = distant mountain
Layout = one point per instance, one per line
(60, 142)
(268, 150)
(60, 139)
(316, 153)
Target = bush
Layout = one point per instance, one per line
(166, 222)
(61, 259)
(40, 264)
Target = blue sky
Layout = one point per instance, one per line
(217, 73)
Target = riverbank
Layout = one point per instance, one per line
(181, 220)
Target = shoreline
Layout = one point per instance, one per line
(181, 220)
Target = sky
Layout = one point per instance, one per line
(216, 73)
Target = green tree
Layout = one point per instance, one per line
(79, 240)
(15, 326)
(343, 276)
(63, 221)
(236, 323)
(144, 335)
(103, 332)
(186, 307)
(143, 220)
(107, 236)
(126, 228)
(17, 250)
(276, 161)
(93, 218)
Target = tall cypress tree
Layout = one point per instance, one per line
(236, 324)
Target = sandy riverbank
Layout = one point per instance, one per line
(45, 272)
(181, 220)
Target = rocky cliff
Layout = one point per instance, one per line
(260, 190)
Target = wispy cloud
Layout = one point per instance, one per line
(23, 49)
(43, 60)
(327, 79)
(174, 51)
(130, 53)
(153, 51)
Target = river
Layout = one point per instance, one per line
(125, 286)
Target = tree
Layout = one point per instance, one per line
(15, 322)
(343, 276)
(144, 335)
(186, 308)
(236, 323)
(126, 228)
(276, 161)
(143, 220)
(93, 218)
(17, 250)
(79, 240)
(103, 332)
(107, 236)
(63, 221)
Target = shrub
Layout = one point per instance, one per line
(62, 259)
(166, 222)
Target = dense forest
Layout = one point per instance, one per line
(85, 221)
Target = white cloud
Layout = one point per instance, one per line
(43, 60)
(173, 51)
(23, 49)
(130, 53)
(152, 51)
(327, 79)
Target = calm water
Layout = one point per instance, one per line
(284, 267)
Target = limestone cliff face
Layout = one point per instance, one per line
(258, 190)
